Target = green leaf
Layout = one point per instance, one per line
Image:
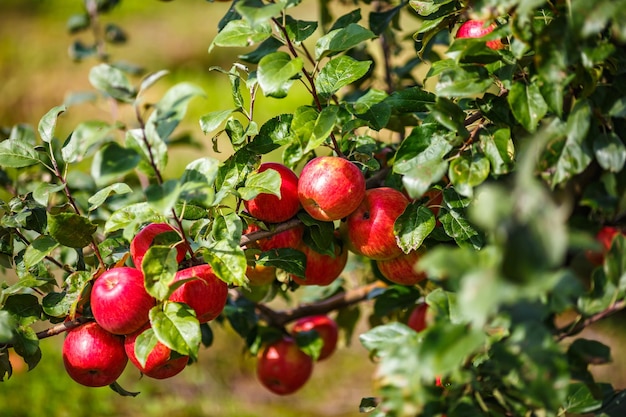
(289, 260)
(380, 21)
(410, 100)
(113, 162)
(159, 267)
(276, 73)
(300, 30)
(256, 14)
(615, 262)
(340, 40)
(144, 345)
(610, 152)
(238, 33)
(71, 229)
(130, 217)
(211, 121)
(151, 148)
(24, 308)
(163, 197)
(379, 338)
(466, 81)
(413, 226)
(170, 110)
(26, 344)
(340, 72)
(84, 139)
(151, 79)
(527, 104)
(466, 172)
(498, 148)
(266, 182)
(574, 154)
(113, 82)
(176, 326)
(38, 249)
(16, 154)
(41, 193)
(580, 399)
(7, 326)
(274, 133)
(66, 302)
(48, 123)
(223, 252)
(100, 197)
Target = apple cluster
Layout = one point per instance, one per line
(95, 354)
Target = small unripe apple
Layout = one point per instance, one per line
(478, 29)
(260, 274)
(282, 367)
(401, 269)
(155, 234)
(325, 327)
(322, 269)
(119, 300)
(92, 356)
(206, 294)
(330, 188)
(417, 318)
(369, 228)
(161, 363)
(273, 209)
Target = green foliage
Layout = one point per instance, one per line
(524, 144)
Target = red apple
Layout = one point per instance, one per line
(155, 234)
(330, 188)
(282, 367)
(401, 269)
(605, 237)
(325, 327)
(273, 209)
(289, 238)
(369, 229)
(478, 29)
(92, 356)
(322, 269)
(417, 318)
(206, 294)
(161, 363)
(119, 300)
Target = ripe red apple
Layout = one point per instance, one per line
(605, 237)
(206, 294)
(478, 29)
(92, 356)
(330, 188)
(282, 367)
(417, 318)
(155, 234)
(325, 327)
(161, 363)
(289, 238)
(119, 300)
(322, 269)
(270, 208)
(369, 229)
(401, 269)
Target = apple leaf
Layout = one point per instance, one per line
(211, 121)
(112, 81)
(498, 148)
(16, 154)
(26, 344)
(380, 338)
(338, 73)
(48, 123)
(276, 73)
(222, 250)
(130, 217)
(71, 230)
(100, 197)
(289, 260)
(466, 172)
(610, 152)
(580, 399)
(339, 40)
(240, 33)
(176, 326)
(274, 133)
(266, 182)
(171, 108)
(527, 104)
(112, 162)
(410, 100)
(163, 197)
(116, 387)
(38, 249)
(300, 30)
(144, 345)
(310, 343)
(413, 226)
(159, 266)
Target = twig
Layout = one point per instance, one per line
(577, 326)
(57, 329)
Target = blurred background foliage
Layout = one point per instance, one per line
(36, 74)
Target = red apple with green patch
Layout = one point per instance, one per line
(417, 318)
(325, 327)
(156, 234)
(119, 300)
(330, 188)
(203, 291)
(271, 208)
(282, 367)
(369, 229)
(93, 356)
(161, 362)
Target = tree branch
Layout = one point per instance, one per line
(578, 325)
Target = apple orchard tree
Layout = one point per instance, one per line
(474, 175)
